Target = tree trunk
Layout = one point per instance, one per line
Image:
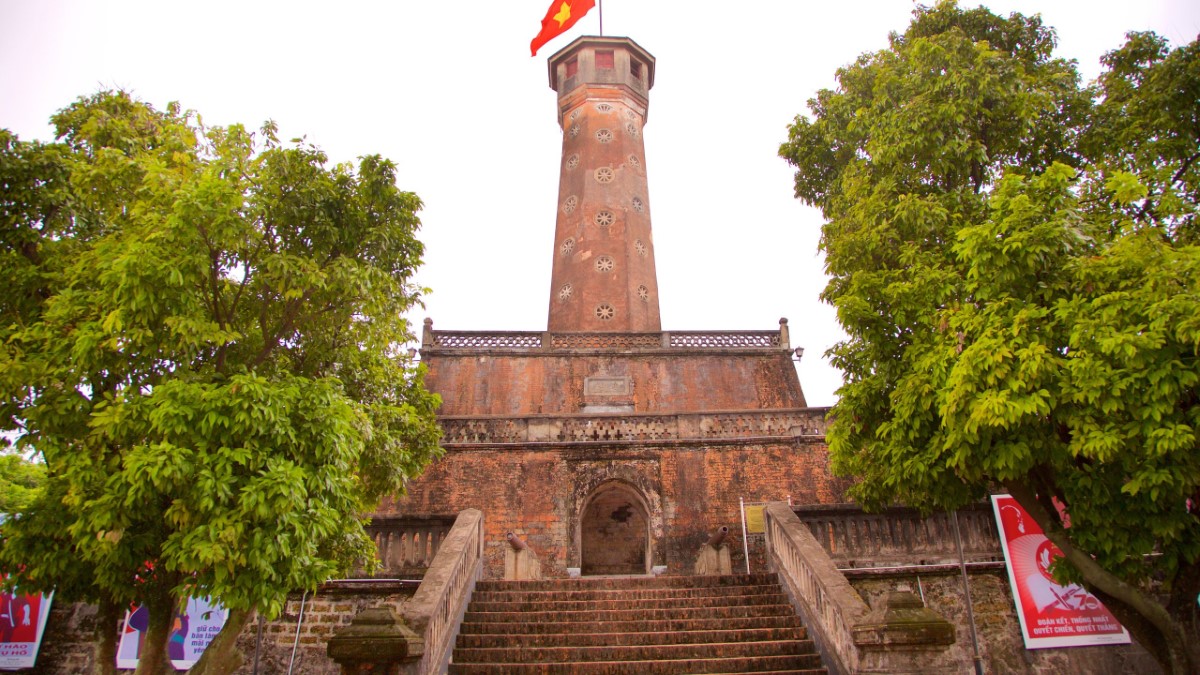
(1185, 588)
(107, 633)
(153, 659)
(1146, 620)
(222, 655)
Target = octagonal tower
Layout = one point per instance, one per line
(603, 277)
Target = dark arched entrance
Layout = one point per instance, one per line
(614, 532)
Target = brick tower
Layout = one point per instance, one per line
(610, 445)
(603, 277)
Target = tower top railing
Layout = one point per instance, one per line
(538, 341)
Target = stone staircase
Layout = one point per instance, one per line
(644, 625)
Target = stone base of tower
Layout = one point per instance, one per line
(618, 453)
(624, 506)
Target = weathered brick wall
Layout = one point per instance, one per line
(690, 488)
(481, 383)
(68, 644)
(1000, 642)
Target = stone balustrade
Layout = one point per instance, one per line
(900, 637)
(530, 341)
(901, 536)
(829, 605)
(436, 609)
(405, 547)
(607, 428)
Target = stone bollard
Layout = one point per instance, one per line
(377, 642)
(713, 556)
(520, 562)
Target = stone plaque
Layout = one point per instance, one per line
(607, 386)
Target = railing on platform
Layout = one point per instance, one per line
(542, 341)
(852, 637)
(900, 536)
(604, 428)
(405, 547)
(830, 607)
(436, 610)
(486, 340)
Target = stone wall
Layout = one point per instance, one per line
(1000, 642)
(68, 644)
(688, 488)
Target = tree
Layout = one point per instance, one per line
(19, 482)
(202, 337)
(1013, 257)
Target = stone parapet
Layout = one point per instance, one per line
(462, 430)
(528, 341)
(405, 547)
(436, 609)
(853, 538)
(899, 636)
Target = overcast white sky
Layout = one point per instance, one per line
(449, 92)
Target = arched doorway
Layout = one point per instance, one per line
(614, 532)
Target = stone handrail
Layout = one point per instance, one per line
(830, 607)
(900, 536)
(407, 546)
(604, 428)
(436, 609)
(899, 636)
(528, 341)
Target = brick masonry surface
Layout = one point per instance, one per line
(483, 383)
(690, 489)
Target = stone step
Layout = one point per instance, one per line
(564, 604)
(630, 582)
(671, 652)
(632, 626)
(631, 614)
(624, 593)
(643, 625)
(792, 665)
(594, 639)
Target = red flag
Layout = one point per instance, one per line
(559, 18)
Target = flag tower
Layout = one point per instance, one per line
(603, 275)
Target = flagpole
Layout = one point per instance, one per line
(601, 3)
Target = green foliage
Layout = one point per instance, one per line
(203, 339)
(20, 481)
(1014, 260)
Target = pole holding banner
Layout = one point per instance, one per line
(745, 539)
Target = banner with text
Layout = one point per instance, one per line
(1051, 615)
(191, 631)
(22, 623)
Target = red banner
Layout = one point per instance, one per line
(22, 624)
(1052, 615)
(559, 18)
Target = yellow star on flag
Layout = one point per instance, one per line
(564, 13)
